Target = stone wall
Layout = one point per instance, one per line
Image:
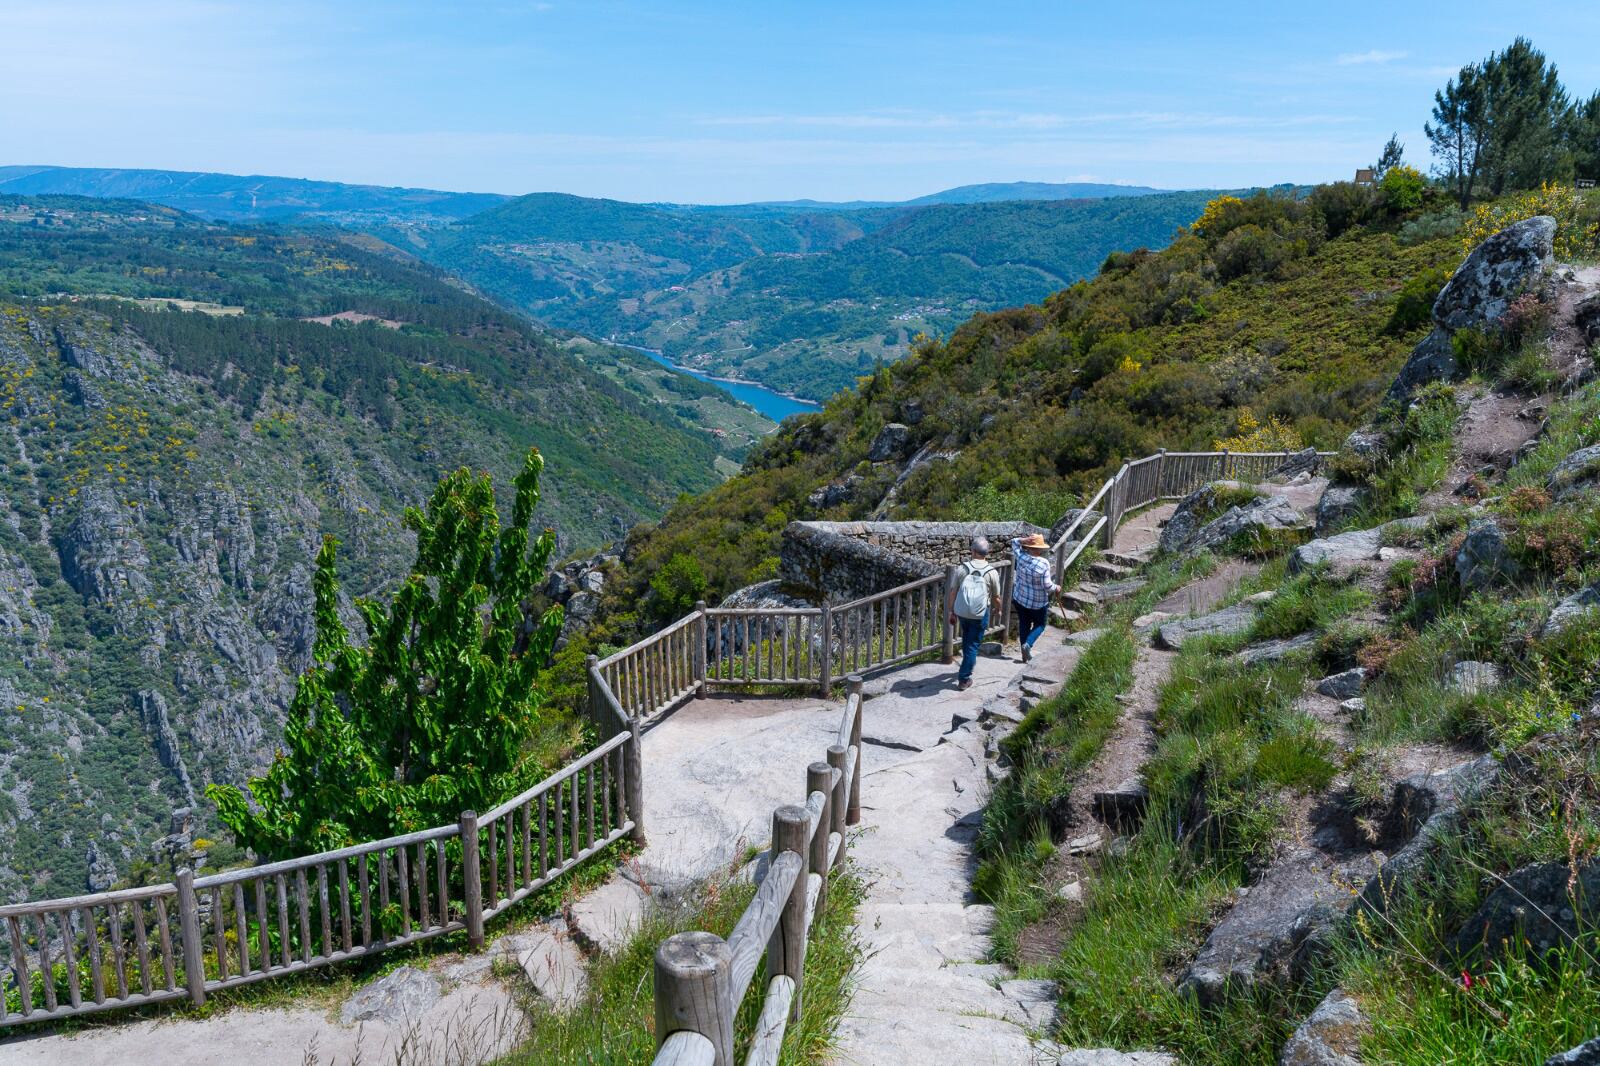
(838, 561)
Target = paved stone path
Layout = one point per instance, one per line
(926, 994)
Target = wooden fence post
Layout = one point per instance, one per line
(819, 778)
(194, 959)
(633, 760)
(841, 798)
(825, 681)
(694, 991)
(700, 636)
(1222, 475)
(1161, 474)
(947, 654)
(472, 880)
(602, 726)
(786, 951)
(853, 814)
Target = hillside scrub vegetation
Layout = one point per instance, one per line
(1275, 321)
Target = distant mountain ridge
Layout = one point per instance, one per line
(803, 296)
(261, 198)
(799, 300)
(249, 198)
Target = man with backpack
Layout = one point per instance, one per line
(974, 592)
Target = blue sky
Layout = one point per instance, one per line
(726, 102)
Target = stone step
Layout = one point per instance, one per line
(1127, 559)
(902, 987)
(1122, 808)
(1080, 598)
(926, 1035)
(1106, 568)
(1064, 615)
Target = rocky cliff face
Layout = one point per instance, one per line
(155, 584)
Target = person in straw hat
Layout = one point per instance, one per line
(1035, 585)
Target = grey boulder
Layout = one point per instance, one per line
(1578, 470)
(1108, 1057)
(1484, 557)
(892, 442)
(1066, 520)
(1571, 609)
(1585, 1054)
(1534, 904)
(1470, 677)
(1226, 622)
(1331, 1036)
(1495, 273)
(1433, 359)
(1340, 503)
(404, 995)
(1358, 545)
(1345, 685)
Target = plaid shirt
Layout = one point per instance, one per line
(1033, 585)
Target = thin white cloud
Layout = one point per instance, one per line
(1025, 121)
(1358, 59)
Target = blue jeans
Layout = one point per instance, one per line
(972, 630)
(1030, 622)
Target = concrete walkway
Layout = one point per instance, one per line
(926, 993)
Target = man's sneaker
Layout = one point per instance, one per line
(964, 684)
(1027, 654)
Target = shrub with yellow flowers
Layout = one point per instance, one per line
(1577, 219)
(1253, 435)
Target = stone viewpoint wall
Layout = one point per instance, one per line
(839, 561)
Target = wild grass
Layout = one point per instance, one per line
(1056, 739)
(1145, 916)
(1574, 423)
(1313, 600)
(1414, 458)
(1230, 738)
(615, 1022)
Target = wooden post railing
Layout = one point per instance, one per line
(700, 979)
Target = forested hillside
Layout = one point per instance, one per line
(804, 301)
(1275, 318)
(168, 475)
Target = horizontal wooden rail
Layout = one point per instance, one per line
(700, 979)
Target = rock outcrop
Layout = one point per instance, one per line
(1331, 1036)
(1195, 525)
(1476, 296)
(1484, 558)
(1546, 904)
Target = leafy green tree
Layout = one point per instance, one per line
(1584, 136)
(1526, 111)
(1503, 122)
(432, 715)
(1402, 188)
(678, 585)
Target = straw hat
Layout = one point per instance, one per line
(1034, 542)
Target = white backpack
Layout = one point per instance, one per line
(972, 596)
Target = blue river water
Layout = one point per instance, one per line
(774, 405)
